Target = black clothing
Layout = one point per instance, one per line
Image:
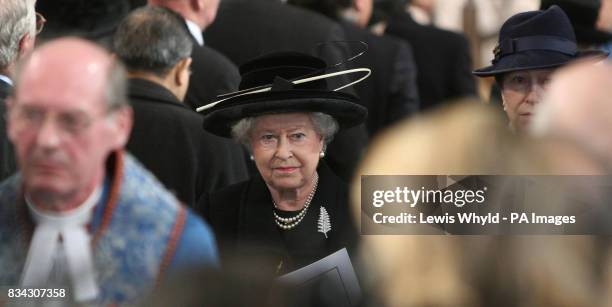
(168, 139)
(242, 219)
(7, 155)
(442, 57)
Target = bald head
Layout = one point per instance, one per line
(578, 106)
(74, 65)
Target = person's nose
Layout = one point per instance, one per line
(284, 149)
(536, 92)
(49, 135)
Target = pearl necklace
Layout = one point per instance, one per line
(292, 222)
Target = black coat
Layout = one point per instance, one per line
(7, 156)
(245, 29)
(241, 217)
(212, 74)
(442, 57)
(169, 140)
(391, 92)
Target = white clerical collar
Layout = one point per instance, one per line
(6, 79)
(195, 31)
(70, 226)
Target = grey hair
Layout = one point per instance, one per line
(152, 39)
(324, 124)
(17, 17)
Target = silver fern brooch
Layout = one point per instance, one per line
(324, 223)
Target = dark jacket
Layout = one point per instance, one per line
(442, 57)
(212, 74)
(169, 140)
(391, 92)
(245, 29)
(7, 156)
(241, 217)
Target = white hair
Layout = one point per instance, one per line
(17, 18)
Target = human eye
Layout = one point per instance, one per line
(31, 114)
(267, 138)
(298, 136)
(72, 122)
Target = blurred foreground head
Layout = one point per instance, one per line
(411, 270)
(578, 108)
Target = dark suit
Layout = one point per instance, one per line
(7, 156)
(245, 29)
(212, 74)
(442, 57)
(169, 140)
(241, 217)
(390, 93)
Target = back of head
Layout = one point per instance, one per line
(17, 18)
(152, 40)
(329, 8)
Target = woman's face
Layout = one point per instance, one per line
(521, 91)
(286, 149)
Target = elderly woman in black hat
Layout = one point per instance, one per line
(531, 46)
(296, 210)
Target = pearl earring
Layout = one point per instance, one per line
(322, 154)
(252, 158)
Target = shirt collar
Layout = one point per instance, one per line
(195, 31)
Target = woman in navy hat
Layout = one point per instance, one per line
(531, 46)
(296, 210)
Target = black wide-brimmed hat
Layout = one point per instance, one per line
(534, 40)
(284, 82)
(583, 15)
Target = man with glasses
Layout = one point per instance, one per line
(81, 214)
(18, 28)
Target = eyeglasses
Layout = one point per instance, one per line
(40, 22)
(72, 123)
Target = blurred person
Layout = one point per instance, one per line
(577, 108)
(212, 72)
(82, 215)
(531, 46)
(414, 270)
(19, 25)
(390, 94)
(246, 29)
(167, 136)
(295, 211)
(443, 58)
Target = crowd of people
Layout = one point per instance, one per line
(189, 152)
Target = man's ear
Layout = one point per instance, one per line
(121, 126)
(182, 72)
(26, 44)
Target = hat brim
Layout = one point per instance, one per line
(535, 59)
(341, 106)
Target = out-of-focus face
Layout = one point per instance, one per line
(59, 122)
(286, 149)
(521, 91)
(604, 22)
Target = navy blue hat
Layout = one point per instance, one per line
(279, 71)
(533, 40)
